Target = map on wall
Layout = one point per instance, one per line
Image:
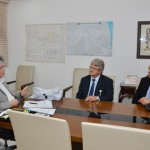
(90, 38)
(46, 42)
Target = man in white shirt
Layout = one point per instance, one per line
(7, 99)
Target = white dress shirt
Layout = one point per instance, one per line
(96, 80)
(5, 90)
(148, 93)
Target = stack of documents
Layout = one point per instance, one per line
(44, 106)
(131, 80)
(4, 114)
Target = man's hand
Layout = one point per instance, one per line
(144, 101)
(14, 103)
(24, 91)
(91, 98)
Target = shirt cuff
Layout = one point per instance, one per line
(98, 98)
(21, 97)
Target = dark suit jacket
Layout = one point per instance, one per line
(104, 84)
(141, 90)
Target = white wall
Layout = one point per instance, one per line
(124, 14)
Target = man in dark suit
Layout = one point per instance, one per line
(142, 94)
(101, 89)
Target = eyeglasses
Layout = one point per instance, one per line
(2, 67)
(93, 68)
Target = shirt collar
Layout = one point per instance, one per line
(2, 80)
(96, 79)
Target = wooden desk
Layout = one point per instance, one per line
(105, 107)
(126, 92)
(113, 108)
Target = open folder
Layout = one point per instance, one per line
(44, 107)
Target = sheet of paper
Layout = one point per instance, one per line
(38, 104)
(44, 111)
(131, 79)
(3, 112)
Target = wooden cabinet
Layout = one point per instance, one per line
(126, 91)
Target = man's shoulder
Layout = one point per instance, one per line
(106, 78)
(145, 79)
(86, 77)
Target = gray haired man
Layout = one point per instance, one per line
(96, 86)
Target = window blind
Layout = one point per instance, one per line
(3, 30)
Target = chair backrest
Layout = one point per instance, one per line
(24, 75)
(139, 80)
(113, 78)
(36, 132)
(78, 73)
(101, 136)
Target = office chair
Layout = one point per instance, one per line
(36, 132)
(102, 136)
(24, 77)
(78, 73)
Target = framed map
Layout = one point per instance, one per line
(46, 42)
(90, 38)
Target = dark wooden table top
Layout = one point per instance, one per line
(111, 108)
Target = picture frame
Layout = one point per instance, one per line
(143, 40)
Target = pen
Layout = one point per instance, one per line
(45, 96)
(32, 103)
(100, 92)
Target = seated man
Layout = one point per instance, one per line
(96, 86)
(142, 94)
(7, 99)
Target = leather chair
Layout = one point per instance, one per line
(102, 136)
(36, 132)
(24, 77)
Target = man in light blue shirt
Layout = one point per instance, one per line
(142, 95)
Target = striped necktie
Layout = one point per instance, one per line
(91, 93)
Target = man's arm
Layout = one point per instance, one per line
(137, 95)
(109, 91)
